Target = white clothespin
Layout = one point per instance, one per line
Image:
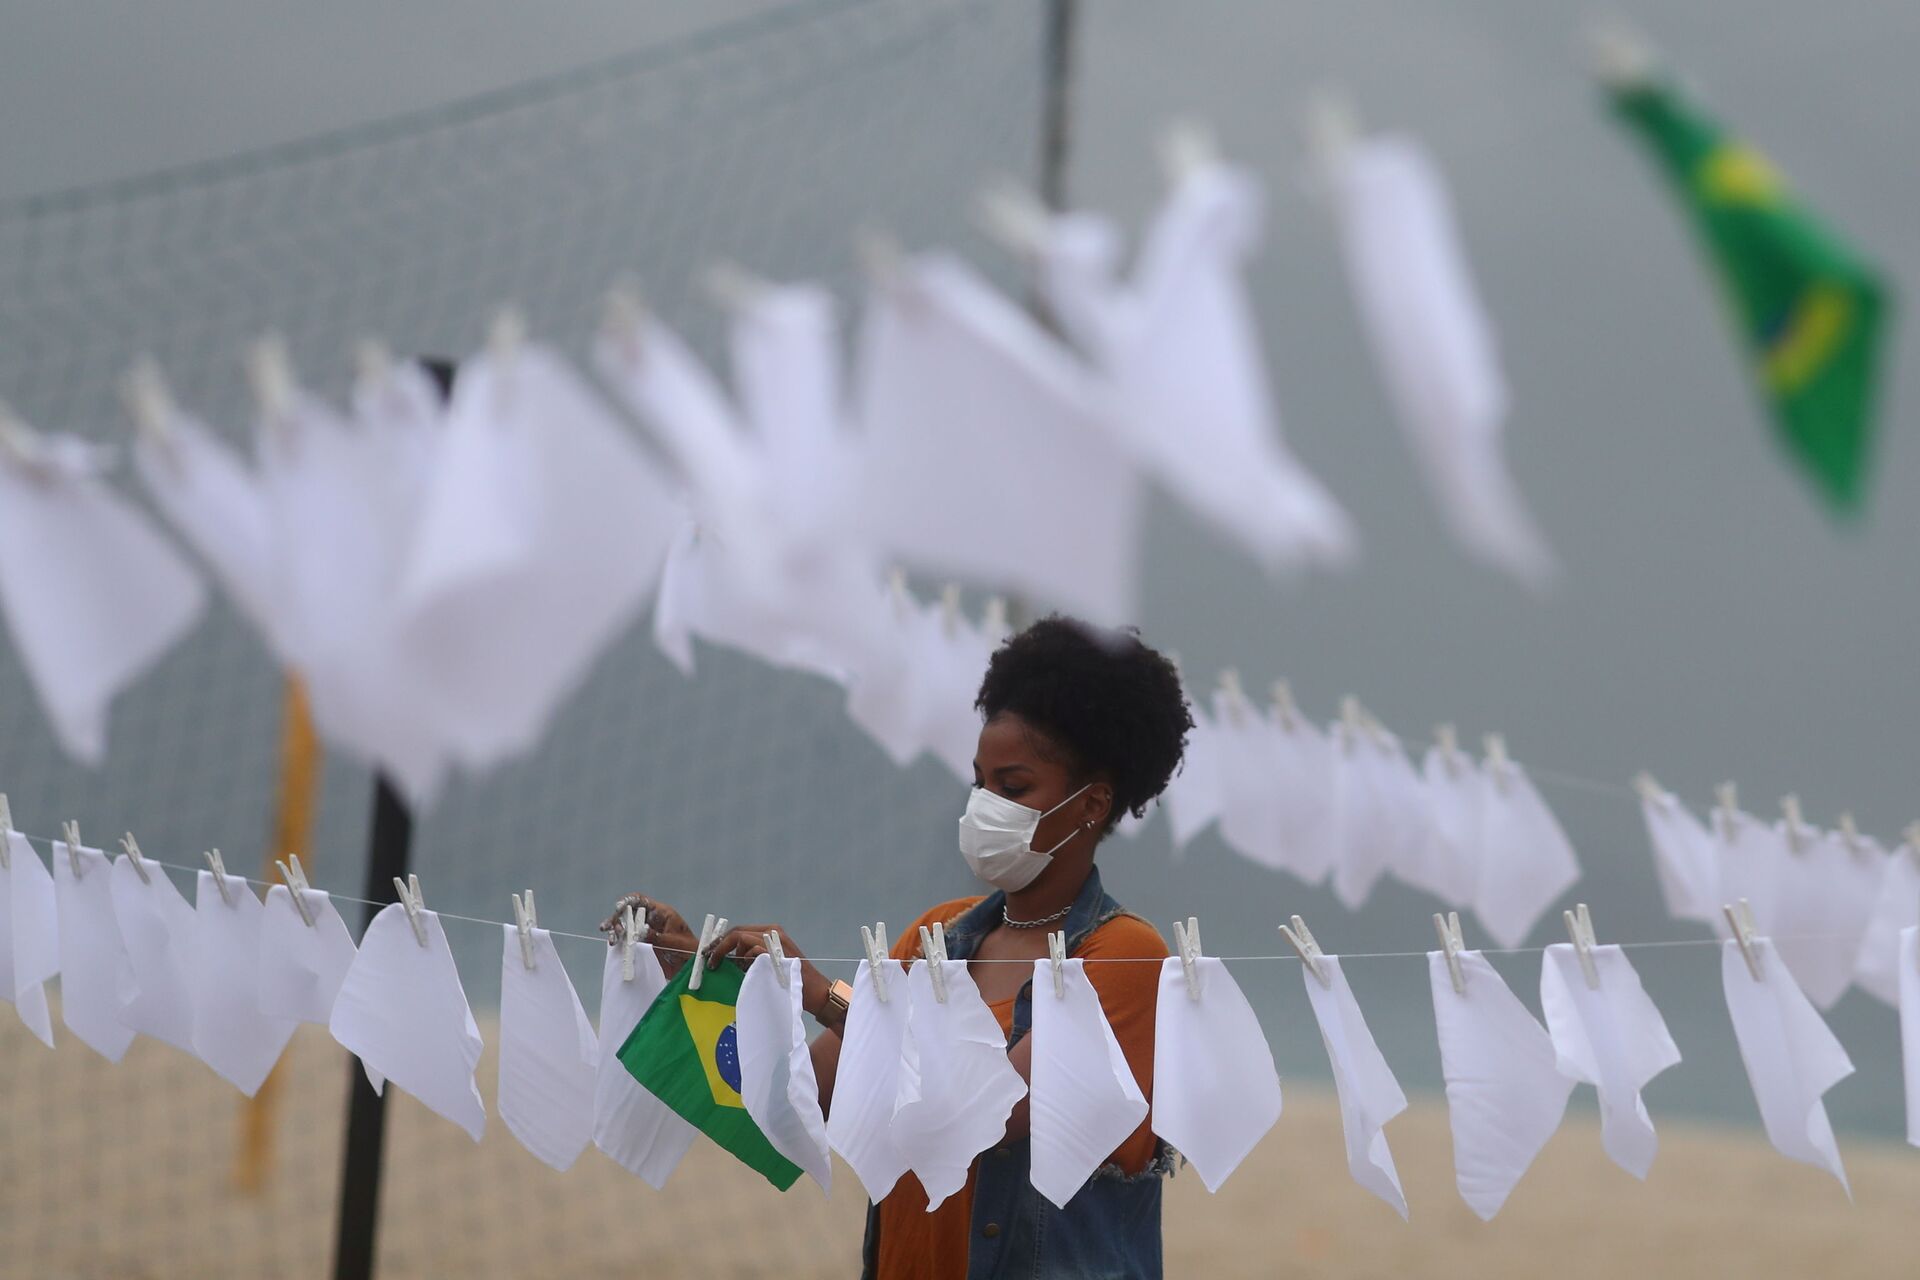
(628, 924)
(143, 390)
(732, 287)
(881, 257)
(1186, 941)
(1850, 835)
(933, 949)
(1740, 920)
(710, 930)
(1448, 740)
(297, 886)
(1452, 943)
(1285, 713)
(1727, 808)
(132, 848)
(1352, 721)
(1012, 216)
(1911, 838)
(1621, 56)
(1057, 956)
(1310, 953)
(1580, 929)
(372, 365)
(950, 610)
(220, 876)
(1498, 762)
(779, 955)
(1187, 147)
(1650, 789)
(523, 921)
(1332, 124)
(507, 334)
(70, 832)
(623, 314)
(270, 372)
(874, 941)
(993, 619)
(19, 444)
(6, 825)
(410, 898)
(898, 593)
(1795, 823)
(1236, 695)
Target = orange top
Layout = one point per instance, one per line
(917, 1245)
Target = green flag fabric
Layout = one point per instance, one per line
(684, 1051)
(1813, 315)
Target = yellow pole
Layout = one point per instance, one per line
(298, 794)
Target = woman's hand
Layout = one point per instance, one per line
(744, 942)
(674, 941)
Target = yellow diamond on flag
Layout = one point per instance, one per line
(714, 1038)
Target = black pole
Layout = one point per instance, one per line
(1056, 120)
(388, 847)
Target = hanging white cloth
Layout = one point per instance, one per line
(1215, 1090)
(1505, 1091)
(1250, 794)
(93, 957)
(888, 693)
(1683, 858)
(963, 396)
(1194, 795)
(1910, 1026)
(1750, 858)
(213, 500)
(29, 935)
(1896, 910)
(1611, 1037)
(230, 1032)
(634, 1129)
(1434, 345)
(955, 1085)
(1302, 785)
(1085, 1100)
(1369, 1095)
(403, 1012)
(1448, 864)
(777, 1084)
(301, 966)
(549, 1056)
(1828, 892)
(1526, 860)
(157, 927)
(1406, 817)
(93, 596)
(866, 1081)
(1791, 1056)
(955, 652)
(1379, 815)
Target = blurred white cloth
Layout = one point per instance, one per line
(1750, 859)
(403, 1012)
(1380, 818)
(157, 927)
(1612, 1038)
(1683, 859)
(93, 595)
(301, 966)
(1828, 892)
(955, 652)
(1187, 393)
(549, 1056)
(1369, 1094)
(955, 1085)
(93, 956)
(1505, 1090)
(231, 1033)
(1250, 793)
(970, 407)
(866, 1081)
(1085, 1100)
(1792, 1058)
(1302, 784)
(1526, 860)
(777, 1084)
(1448, 865)
(1215, 1090)
(1434, 345)
(1896, 910)
(1910, 1026)
(1195, 793)
(635, 1130)
(29, 935)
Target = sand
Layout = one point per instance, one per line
(126, 1171)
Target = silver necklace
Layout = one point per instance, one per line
(1011, 923)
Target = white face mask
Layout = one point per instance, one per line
(996, 839)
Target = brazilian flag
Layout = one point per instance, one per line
(1812, 314)
(685, 1051)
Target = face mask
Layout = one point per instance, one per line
(996, 839)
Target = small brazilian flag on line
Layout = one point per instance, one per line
(1812, 313)
(685, 1052)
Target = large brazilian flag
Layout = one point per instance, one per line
(685, 1052)
(1812, 313)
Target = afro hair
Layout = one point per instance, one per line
(1109, 704)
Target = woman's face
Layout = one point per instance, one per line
(1015, 761)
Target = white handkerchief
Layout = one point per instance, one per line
(93, 595)
(1505, 1092)
(1683, 859)
(636, 1130)
(1369, 1095)
(1365, 830)
(777, 1083)
(1792, 1058)
(956, 1087)
(1910, 1026)
(548, 1053)
(866, 1081)
(212, 500)
(29, 935)
(956, 655)
(157, 925)
(1751, 862)
(1302, 785)
(1406, 810)
(1526, 860)
(887, 691)
(230, 1033)
(403, 1011)
(1448, 865)
(1896, 910)
(92, 954)
(301, 966)
(1828, 892)
(1249, 791)
(1613, 1039)
(1085, 1100)
(1215, 1090)
(1193, 795)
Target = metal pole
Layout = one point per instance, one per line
(1056, 120)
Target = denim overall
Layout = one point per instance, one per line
(1110, 1230)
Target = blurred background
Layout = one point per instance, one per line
(177, 179)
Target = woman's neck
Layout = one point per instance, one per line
(1051, 892)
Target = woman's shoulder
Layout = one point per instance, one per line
(1126, 935)
(907, 945)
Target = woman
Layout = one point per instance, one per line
(1080, 727)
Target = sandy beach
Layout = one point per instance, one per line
(127, 1172)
